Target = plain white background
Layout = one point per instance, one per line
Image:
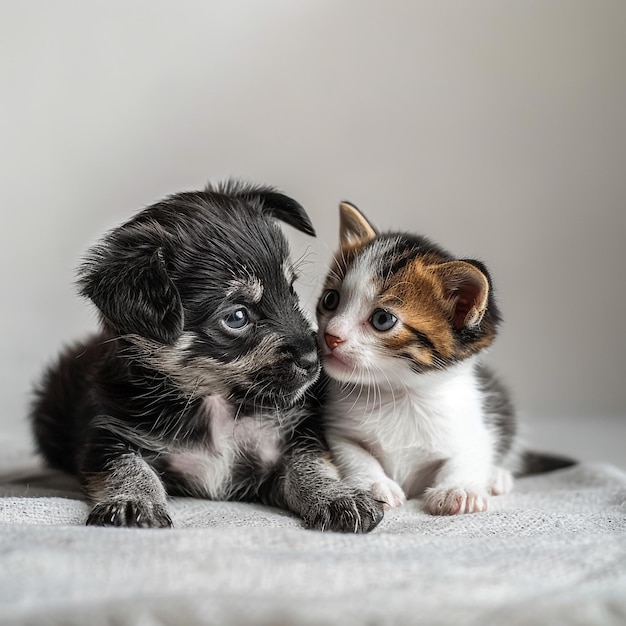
(497, 128)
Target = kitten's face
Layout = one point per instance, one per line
(396, 305)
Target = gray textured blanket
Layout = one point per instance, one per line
(552, 552)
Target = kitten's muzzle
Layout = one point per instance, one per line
(332, 341)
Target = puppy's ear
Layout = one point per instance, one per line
(272, 202)
(284, 208)
(133, 291)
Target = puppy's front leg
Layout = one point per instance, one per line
(310, 486)
(125, 489)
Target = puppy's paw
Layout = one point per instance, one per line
(442, 501)
(129, 513)
(501, 482)
(389, 493)
(349, 512)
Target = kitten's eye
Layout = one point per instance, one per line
(237, 319)
(330, 299)
(383, 320)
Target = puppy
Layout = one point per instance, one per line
(201, 381)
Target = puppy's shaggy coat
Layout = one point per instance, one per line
(202, 379)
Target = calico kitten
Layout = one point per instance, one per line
(412, 412)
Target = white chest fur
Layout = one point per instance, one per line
(209, 468)
(413, 426)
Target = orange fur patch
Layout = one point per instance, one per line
(415, 296)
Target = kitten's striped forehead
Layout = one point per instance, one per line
(364, 276)
(370, 261)
(375, 258)
(386, 256)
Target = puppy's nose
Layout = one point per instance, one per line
(332, 341)
(309, 362)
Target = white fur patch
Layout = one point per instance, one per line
(501, 481)
(209, 469)
(389, 492)
(421, 422)
(184, 342)
(360, 350)
(288, 272)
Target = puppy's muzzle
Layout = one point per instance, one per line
(307, 364)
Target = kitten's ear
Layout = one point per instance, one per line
(465, 290)
(133, 291)
(354, 229)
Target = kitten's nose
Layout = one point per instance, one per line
(332, 341)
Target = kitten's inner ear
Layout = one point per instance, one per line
(354, 229)
(465, 290)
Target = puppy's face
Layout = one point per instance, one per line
(202, 286)
(244, 331)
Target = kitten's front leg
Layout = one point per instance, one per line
(500, 482)
(309, 485)
(125, 490)
(460, 487)
(358, 466)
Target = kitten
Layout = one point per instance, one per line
(202, 379)
(412, 412)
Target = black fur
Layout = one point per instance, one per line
(540, 463)
(499, 410)
(172, 396)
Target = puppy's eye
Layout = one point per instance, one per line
(383, 320)
(238, 319)
(330, 299)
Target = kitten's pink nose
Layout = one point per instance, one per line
(332, 341)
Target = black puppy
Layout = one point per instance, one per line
(202, 380)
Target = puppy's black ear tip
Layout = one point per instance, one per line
(307, 229)
(270, 201)
(288, 210)
(300, 220)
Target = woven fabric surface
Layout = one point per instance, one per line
(553, 551)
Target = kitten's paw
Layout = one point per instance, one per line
(129, 513)
(501, 482)
(389, 493)
(441, 501)
(352, 512)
